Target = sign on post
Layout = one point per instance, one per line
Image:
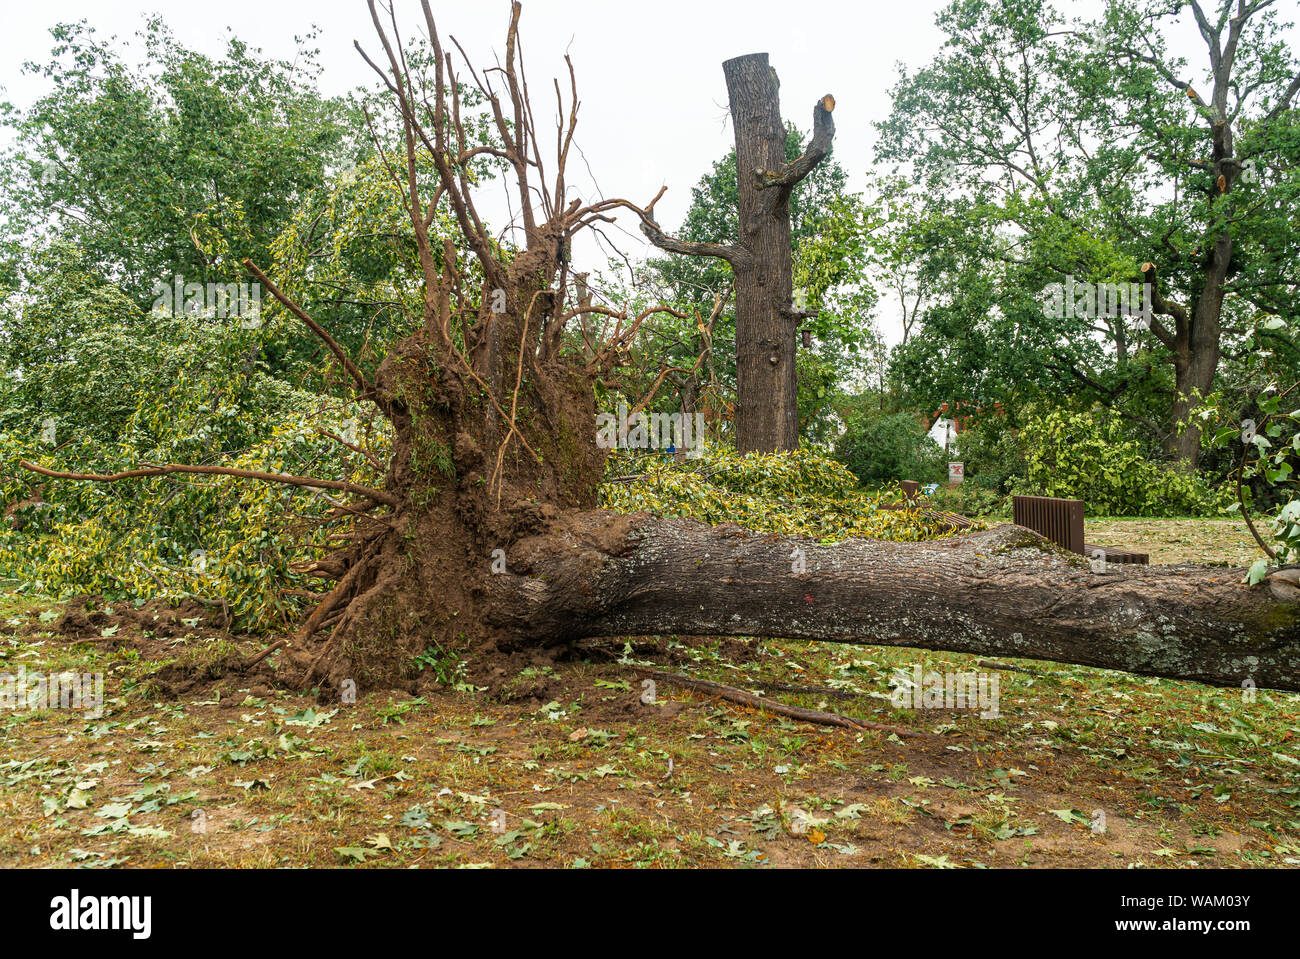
(956, 473)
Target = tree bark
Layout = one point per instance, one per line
(766, 408)
(1001, 592)
(1197, 348)
(1197, 360)
(767, 416)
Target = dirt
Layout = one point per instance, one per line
(86, 617)
(1082, 767)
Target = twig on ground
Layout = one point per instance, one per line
(995, 664)
(734, 695)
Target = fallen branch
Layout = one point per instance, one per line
(812, 690)
(379, 496)
(355, 447)
(995, 664)
(734, 695)
(219, 603)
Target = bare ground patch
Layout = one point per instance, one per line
(560, 760)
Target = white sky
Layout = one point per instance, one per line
(649, 73)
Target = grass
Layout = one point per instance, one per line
(1177, 540)
(1082, 767)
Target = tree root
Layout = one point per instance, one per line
(250, 663)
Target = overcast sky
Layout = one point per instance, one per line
(649, 73)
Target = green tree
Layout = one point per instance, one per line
(1088, 150)
(882, 447)
(169, 167)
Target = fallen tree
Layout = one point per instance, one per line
(1005, 591)
(485, 535)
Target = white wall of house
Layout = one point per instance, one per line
(944, 433)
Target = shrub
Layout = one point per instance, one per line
(1091, 456)
(969, 499)
(881, 447)
(799, 493)
(992, 453)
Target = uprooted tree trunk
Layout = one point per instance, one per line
(1005, 591)
(485, 534)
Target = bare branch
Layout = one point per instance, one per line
(365, 388)
(379, 496)
(820, 145)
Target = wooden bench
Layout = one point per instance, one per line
(1113, 555)
(1059, 520)
(911, 500)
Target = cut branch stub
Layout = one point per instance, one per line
(795, 171)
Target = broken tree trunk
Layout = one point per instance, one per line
(767, 416)
(1005, 592)
(767, 323)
